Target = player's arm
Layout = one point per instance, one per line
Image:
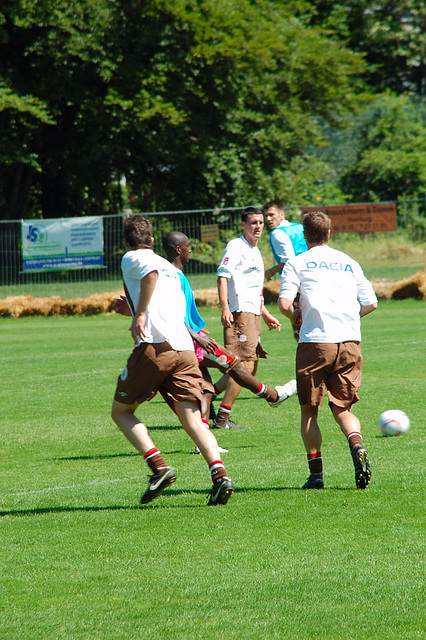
(222, 288)
(283, 250)
(365, 294)
(205, 342)
(147, 286)
(270, 320)
(121, 306)
(269, 273)
(286, 307)
(365, 309)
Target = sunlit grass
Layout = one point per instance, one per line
(80, 560)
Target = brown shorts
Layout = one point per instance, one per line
(243, 338)
(335, 367)
(158, 367)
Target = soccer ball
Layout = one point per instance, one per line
(393, 422)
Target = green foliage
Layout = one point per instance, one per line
(197, 103)
(391, 36)
(193, 102)
(391, 162)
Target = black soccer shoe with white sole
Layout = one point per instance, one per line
(157, 483)
(314, 483)
(221, 492)
(362, 467)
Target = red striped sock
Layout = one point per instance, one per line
(154, 460)
(223, 413)
(266, 392)
(315, 464)
(355, 440)
(217, 470)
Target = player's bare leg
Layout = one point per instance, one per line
(137, 434)
(190, 418)
(351, 427)
(134, 430)
(312, 439)
(232, 391)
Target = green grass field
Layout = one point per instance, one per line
(81, 561)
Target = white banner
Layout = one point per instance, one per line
(62, 243)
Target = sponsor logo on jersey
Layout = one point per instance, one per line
(332, 266)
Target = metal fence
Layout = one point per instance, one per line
(411, 214)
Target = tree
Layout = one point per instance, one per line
(390, 162)
(391, 35)
(197, 103)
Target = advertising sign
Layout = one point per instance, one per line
(359, 218)
(62, 243)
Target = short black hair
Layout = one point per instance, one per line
(250, 211)
(273, 203)
(172, 240)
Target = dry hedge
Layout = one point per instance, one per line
(20, 306)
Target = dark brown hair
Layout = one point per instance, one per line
(273, 203)
(138, 232)
(316, 225)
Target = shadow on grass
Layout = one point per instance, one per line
(158, 505)
(107, 456)
(100, 456)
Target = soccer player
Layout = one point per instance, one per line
(163, 360)
(240, 278)
(334, 296)
(286, 238)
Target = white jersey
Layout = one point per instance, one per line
(332, 287)
(242, 265)
(166, 309)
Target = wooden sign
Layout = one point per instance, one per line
(209, 232)
(359, 218)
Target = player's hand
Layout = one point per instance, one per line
(268, 274)
(206, 343)
(120, 305)
(137, 328)
(227, 318)
(273, 323)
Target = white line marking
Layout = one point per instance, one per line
(67, 487)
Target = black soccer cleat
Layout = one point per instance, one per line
(221, 492)
(362, 467)
(157, 483)
(313, 483)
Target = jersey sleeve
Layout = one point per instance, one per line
(290, 282)
(135, 268)
(226, 265)
(365, 292)
(281, 245)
